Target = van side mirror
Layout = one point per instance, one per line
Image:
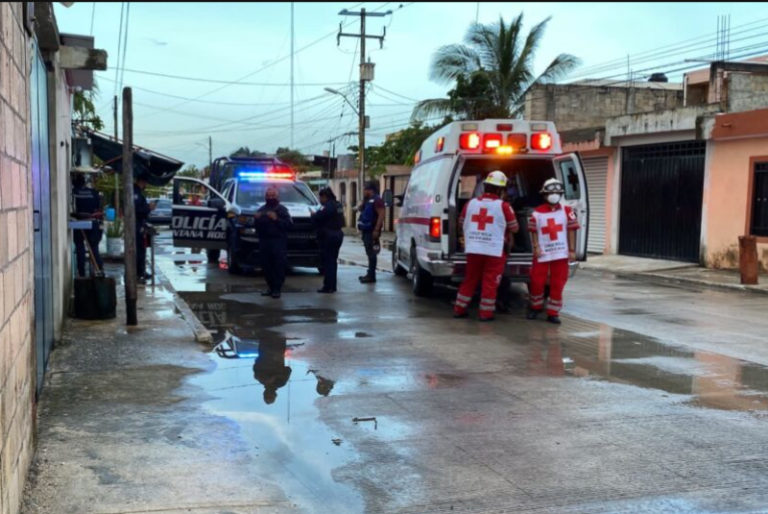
(386, 196)
(217, 203)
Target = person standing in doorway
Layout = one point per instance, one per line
(553, 229)
(369, 224)
(272, 224)
(87, 206)
(329, 220)
(142, 208)
(487, 223)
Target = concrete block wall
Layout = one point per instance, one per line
(579, 106)
(747, 91)
(17, 356)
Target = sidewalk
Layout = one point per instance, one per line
(120, 430)
(672, 271)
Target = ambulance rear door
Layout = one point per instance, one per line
(570, 171)
(199, 218)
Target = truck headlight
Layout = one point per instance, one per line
(248, 231)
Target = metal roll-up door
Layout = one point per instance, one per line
(596, 172)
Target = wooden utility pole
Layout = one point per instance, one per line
(364, 76)
(117, 183)
(129, 217)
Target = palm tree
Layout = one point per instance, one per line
(492, 71)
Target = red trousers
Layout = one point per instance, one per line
(558, 276)
(487, 268)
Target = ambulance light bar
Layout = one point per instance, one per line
(492, 141)
(469, 141)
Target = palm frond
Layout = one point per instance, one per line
(558, 68)
(431, 107)
(450, 61)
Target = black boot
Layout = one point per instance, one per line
(532, 314)
(554, 319)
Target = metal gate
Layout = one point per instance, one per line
(661, 197)
(41, 180)
(596, 173)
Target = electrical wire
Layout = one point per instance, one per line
(230, 82)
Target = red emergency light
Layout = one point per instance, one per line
(492, 141)
(439, 144)
(517, 141)
(541, 141)
(469, 141)
(435, 229)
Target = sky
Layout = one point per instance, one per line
(250, 43)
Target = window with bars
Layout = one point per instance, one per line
(759, 225)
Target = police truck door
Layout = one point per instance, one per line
(570, 172)
(199, 215)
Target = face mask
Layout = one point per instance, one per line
(271, 202)
(553, 198)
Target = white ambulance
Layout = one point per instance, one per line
(449, 170)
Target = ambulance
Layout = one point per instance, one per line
(449, 170)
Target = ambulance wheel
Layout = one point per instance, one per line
(213, 256)
(232, 265)
(421, 280)
(396, 268)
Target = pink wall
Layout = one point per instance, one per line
(727, 196)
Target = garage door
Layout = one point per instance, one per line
(661, 195)
(596, 171)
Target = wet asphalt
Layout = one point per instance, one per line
(648, 398)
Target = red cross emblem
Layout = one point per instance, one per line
(482, 218)
(551, 229)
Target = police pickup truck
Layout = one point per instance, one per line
(219, 215)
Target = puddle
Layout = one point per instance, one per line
(606, 353)
(271, 396)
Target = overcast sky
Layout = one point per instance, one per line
(250, 42)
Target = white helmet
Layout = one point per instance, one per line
(496, 178)
(552, 186)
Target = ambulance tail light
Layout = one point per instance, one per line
(469, 141)
(435, 229)
(541, 141)
(492, 141)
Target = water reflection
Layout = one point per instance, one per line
(600, 351)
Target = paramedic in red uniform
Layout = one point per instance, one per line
(553, 232)
(487, 223)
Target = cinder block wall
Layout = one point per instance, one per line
(565, 104)
(17, 356)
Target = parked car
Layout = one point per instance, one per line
(162, 213)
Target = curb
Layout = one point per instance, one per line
(660, 277)
(202, 334)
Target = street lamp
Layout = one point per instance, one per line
(361, 138)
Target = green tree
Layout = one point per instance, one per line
(85, 112)
(244, 151)
(190, 171)
(492, 71)
(398, 148)
(296, 159)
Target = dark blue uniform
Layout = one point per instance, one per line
(269, 367)
(273, 244)
(141, 207)
(366, 224)
(329, 220)
(87, 203)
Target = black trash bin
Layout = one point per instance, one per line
(95, 298)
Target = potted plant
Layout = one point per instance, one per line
(115, 238)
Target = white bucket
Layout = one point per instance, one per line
(115, 246)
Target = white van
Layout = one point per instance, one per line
(449, 170)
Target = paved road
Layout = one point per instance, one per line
(636, 403)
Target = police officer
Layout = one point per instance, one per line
(369, 224)
(488, 223)
(269, 367)
(142, 209)
(87, 207)
(272, 224)
(329, 220)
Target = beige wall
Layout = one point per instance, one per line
(17, 382)
(726, 200)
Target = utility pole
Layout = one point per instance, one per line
(210, 155)
(366, 74)
(129, 232)
(117, 183)
(291, 75)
